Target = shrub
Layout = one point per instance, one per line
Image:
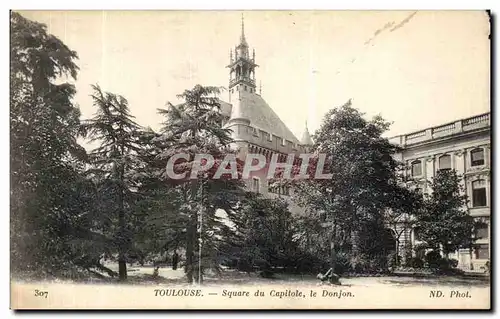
(433, 259)
(267, 274)
(244, 265)
(446, 263)
(308, 263)
(365, 264)
(416, 271)
(414, 262)
(436, 262)
(393, 260)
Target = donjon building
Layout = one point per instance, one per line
(255, 127)
(465, 146)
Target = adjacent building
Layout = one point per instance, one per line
(465, 146)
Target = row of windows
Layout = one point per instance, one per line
(278, 189)
(478, 193)
(252, 90)
(444, 162)
(481, 232)
(266, 137)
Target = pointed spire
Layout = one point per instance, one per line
(306, 137)
(242, 38)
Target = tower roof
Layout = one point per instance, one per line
(252, 107)
(306, 137)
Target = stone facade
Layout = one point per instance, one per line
(463, 145)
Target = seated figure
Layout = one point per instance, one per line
(329, 276)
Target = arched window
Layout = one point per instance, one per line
(477, 157)
(416, 168)
(445, 162)
(478, 193)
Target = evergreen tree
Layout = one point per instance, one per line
(192, 217)
(114, 164)
(46, 161)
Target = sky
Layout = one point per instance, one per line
(416, 69)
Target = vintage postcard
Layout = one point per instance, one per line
(250, 160)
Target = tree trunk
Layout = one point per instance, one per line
(189, 251)
(333, 251)
(122, 265)
(354, 243)
(333, 255)
(122, 268)
(396, 262)
(334, 279)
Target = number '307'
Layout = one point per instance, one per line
(43, 294)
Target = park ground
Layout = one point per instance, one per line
(232, 277)
(141, 292)
(143, 275)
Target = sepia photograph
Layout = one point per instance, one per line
(251, 159)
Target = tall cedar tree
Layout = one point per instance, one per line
(113, 166)
(48, 196)
(191, 218)
(154, 204)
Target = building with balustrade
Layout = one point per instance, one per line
(465, 146)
